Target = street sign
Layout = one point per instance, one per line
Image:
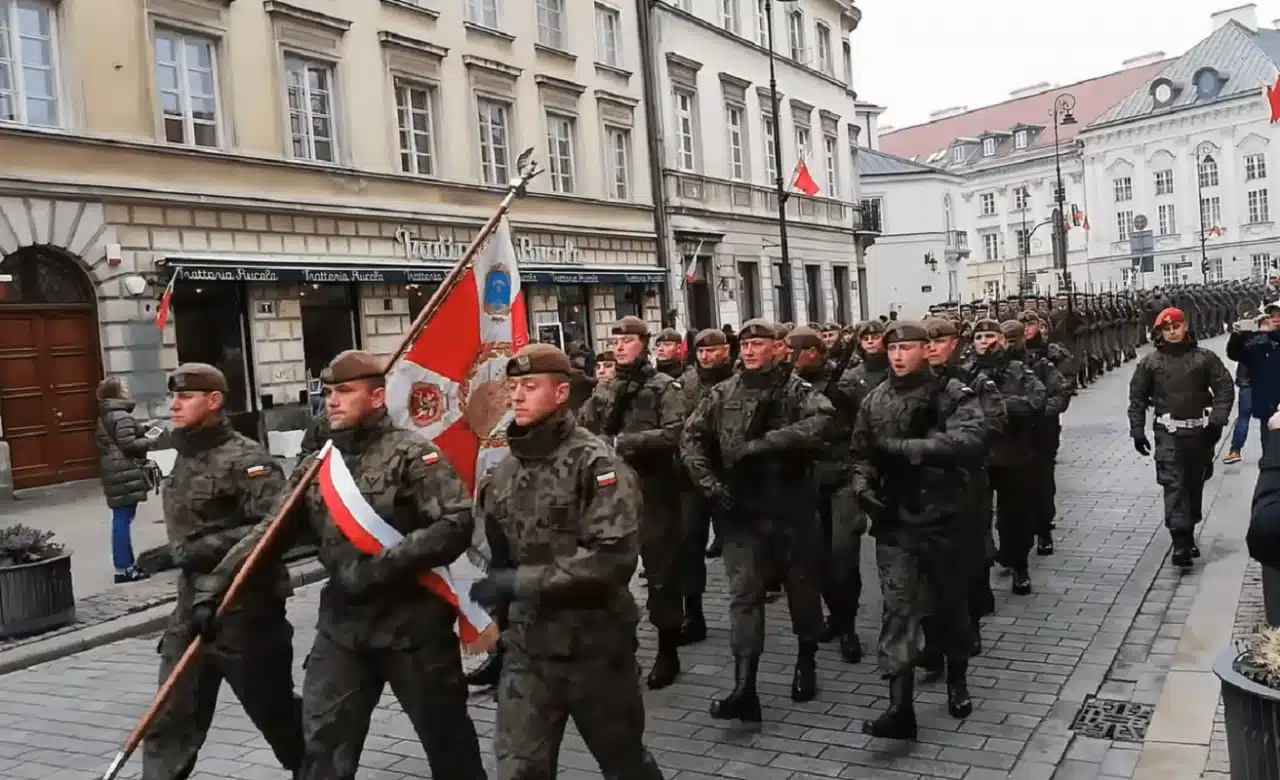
(1140, 222)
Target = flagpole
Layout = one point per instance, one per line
(526, 169)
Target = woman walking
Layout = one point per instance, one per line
(123, 451)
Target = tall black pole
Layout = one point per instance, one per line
(1026, 247)
(1060, 198)
(776, 105)
(1204, 252)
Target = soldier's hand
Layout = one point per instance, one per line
(204, 622)
(497, 586)
(1141, 444)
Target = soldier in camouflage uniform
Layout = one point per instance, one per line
(562, 516)
(667, 358)
(831, 335)
(378, 624)
(855, 383)
(642, 412)
(1039, 347)
(315, 435)
(747, 446)
(221, 486)
(606, 366)
(912, 439)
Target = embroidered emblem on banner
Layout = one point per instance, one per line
(426, 404)
(497, 292)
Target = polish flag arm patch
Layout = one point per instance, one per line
(431, 459)
(256, 471)
(606, 479)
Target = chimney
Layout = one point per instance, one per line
(946, 112)
(1144, 59)
(1246, 15)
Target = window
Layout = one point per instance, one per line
(735, 116)
(782, 292)
(1255, 167)
(749, 290)
(762, 23)
(770, 150)
(1261, 265)
(1208, 172)
(813, 292)
(988, 147)
(484, 12)
(619, 162)
(1123, 188)
(1169, 273)
(802, 142)
(551, 23)
(1129, 277)
(1165, 218)
(628, 300)
(847, 54)
(987, 203)
(1215, 269)
(991, 288)
(1210, 214)
(495, 150)
(186, 79)
(608, 40)
(795, 34)
(829, 145)
(1020, 239)
(826, 63)
(953, 284)
(840, 286)
(415, 116)
(991, 246)
(28, 72)
(1124, 224)
(873, 214)
(729, 17)
(686, 158)
(1020, 139)
(957, 153)
(560, 152)
(310, 90)
(1164, 182)
(1258, 210)
(1021, 197)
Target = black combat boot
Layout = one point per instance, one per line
(667, 665)
(899, 721)
(804, 684)
(694, 627)
(850, 647)
(487, 673)
(831, 630)
(742, 703)
(958, 702)
(930, 658)
(1021, 582)
(1044, 544)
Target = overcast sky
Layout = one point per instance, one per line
(919, 56)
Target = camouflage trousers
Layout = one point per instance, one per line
(918, 578)
(343, 685)
(1046, 440)
(1014, 490)
(662, 545)
(789, 549)
(254, 655)
(536, 698)
(1184, 462)
(697, 533)
(842, 529)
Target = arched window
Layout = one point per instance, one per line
(43, 275)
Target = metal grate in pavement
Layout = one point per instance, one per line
(1122, 721)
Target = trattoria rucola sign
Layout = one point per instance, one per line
(446, 250)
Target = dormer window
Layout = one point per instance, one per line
(1020, 139)
(1209, 83)
(988, 147)
(1164, 92)
(957, 153)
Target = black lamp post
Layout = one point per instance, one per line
(1204, 154)
(1063, 105)
(778, 183)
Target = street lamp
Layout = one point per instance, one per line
(1063, 105)
(1204, 155)
(782, 192)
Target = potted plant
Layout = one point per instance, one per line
(1251, 703)
(35, 582)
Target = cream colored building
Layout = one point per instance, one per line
(308, 169)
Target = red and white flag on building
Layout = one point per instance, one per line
(162, 313)
(803, 181)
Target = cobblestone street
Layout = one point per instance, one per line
(1104, 620)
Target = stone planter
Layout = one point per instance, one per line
(1252, 720)
(36, 597)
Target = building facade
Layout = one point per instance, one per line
(711, 65)
(308, 170)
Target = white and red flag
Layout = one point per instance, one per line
(166, 300)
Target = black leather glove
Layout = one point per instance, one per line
(1141, 444)
(498, 585)
(1214, 431)
(721, 500)
(204, 622)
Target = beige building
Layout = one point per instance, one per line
(308, 169)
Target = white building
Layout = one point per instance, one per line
(1189, 153)
(711, 68)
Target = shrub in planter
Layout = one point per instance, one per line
(35, 582)
(1251, 703)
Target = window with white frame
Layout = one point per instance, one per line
(1210, 213)
(1123, 188)
(957, 153)
(619, 140)
(1261, 265)
(1166, 219)
(1020, 139)
(802, 143)
(486, 13)
(1255, 167)
(991, 288)
(762, 22)
(826, 63)
(608, 36)
(1215, 269)
(730, 19)
(988, 147)
(1129, 277)
(847, 54)
(987, 203)
(873, 213)
(1169, 273)
(415, 117)
(312, 134)
(560, 133)
(551, 23)
(1021, 241)
(770, 149)
(186, 80)
(829, 145)
(1124, 224)
(1208, 169)
(1164, 182)
(795, 34)
(495, 141)
(991, 246)
(28, 63)
(686, 130)
(1021, 198)
(1259, 210)
(735, 117)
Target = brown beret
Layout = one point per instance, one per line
(905, 330)
(630, 326)
(711, 337)
(827, 327)
(758, 329)
(986, 325)
(539, 359)
(1012, 329)
(351, 365)
(814, 326)
(606, 357)
(871, 327)
(804, 337)
(669, 335)
(197, 377)
(940, 327)
(1029, 317)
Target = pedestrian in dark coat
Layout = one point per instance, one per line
(1264, 522)
(122, 449)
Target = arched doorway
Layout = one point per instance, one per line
(49, 367)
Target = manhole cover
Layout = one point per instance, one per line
(1123, 721)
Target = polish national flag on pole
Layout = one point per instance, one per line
(162, 313)
(803, 180)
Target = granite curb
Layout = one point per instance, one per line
(135, 624)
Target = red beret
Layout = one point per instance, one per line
(1170, 314)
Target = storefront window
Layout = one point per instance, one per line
(328, 324)
(782, 292)
(419, 294)
(840, 281)
(749, 290)
(813, 292)
(628, 300)
(575, 316)
(208, 323)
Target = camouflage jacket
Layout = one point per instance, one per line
(1055, 353)
(377, 601)
(911, 441)
(1180, 380)
(995, 416)
(856, 383)
(672, 368)
(1057, 387)
(564, 511)
(832, 468)
(642, 411)
(1025, 400)
(221, 486)
(697, 382)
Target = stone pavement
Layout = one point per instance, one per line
(1100, 603)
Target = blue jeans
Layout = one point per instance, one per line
(121, 539)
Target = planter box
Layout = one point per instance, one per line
(36, 597)
(1253, 722)
(1271, 594)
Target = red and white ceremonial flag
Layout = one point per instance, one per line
(802, 180)
(361, 524)
(162, 313)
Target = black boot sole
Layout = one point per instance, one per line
(692, 634)
(746, 710)
(882, 728)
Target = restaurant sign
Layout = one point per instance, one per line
(447, 250)
(296, 273)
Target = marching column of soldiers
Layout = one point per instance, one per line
(785, 444)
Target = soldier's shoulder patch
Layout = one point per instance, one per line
(257, 470)
(431, 458)
(606, 478)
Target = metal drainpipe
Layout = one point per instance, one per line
(645, 10)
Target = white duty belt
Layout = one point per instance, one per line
(1171, 423)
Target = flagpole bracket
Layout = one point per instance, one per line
(527, 169)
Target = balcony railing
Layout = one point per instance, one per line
(958, 240)
(867, 219)
(706, 193)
